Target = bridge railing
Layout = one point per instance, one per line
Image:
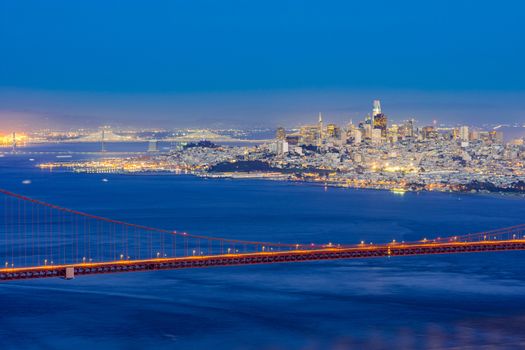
(36, 233)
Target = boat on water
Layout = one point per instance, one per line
(398, 190)
(64, 156)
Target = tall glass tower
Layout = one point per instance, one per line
(377, 108)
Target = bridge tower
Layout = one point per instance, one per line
(153, 146)
(14, 142)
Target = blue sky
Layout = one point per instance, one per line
(178, 62)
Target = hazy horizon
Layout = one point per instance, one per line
(240, 64)
(44, 109)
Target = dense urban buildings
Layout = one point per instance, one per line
(369, 154)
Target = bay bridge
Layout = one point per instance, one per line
(43, 240)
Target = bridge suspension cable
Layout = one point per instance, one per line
(40, 233)
(36, 235)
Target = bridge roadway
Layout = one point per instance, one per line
(355, 252)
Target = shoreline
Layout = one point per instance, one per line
(283, 177)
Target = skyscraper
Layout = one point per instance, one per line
(379, 120)
(333, 131)
(377, 108)
(309, 134)
(320, 141)
(280, 133)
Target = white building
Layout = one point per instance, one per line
(278, 147)
(463, 133)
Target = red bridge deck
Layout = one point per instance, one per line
(357, 252)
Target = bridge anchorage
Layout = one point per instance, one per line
(42, 240)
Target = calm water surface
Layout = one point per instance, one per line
(469, 301)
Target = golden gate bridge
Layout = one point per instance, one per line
(42, 240)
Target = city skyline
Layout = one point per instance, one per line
(279, 174)
(226, 110)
